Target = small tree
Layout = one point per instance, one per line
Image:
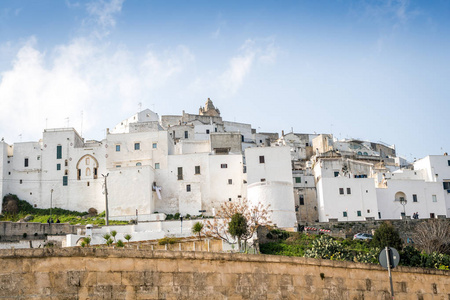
(128, 238)
(256, 215)
(238, 227)
(106, 237)
(113, 234)
(433, 236)
(197, 229)
(120, 243)
(86, 241)
(387, 235)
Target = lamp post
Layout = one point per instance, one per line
(106, 200)
(403, 202)
(51, 202)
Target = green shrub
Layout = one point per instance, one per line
(326, 247)
(167, 240)
(120, 243)
(387, 235)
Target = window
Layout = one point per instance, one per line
(244, 169)
(64, 180)
(207, 131)
(379, 215)
(117, 148)
(261, 159)
(26, 162)
(230, 181)
(66, 172)
(154, 145)
(368, 211)
(87, 183)
(95, 173)
(344, 214)
(434, 198)
(58, 152)
(301, 198)
(414, 198)
(358, 213)
(118, 166)
(449, 163)
(197, 170)
(66, 163)
(341, 191)
(156, 166)
(263, 180)
(349, 191)
(446, 185)
(137, 146)
(188, 188)
(38, 157)
(186, 135)
(180, 173)
(79, 174)
(215, 129)
(138, 164)
(298, 179)
(58, 167)
(336, 173)
(223, 166)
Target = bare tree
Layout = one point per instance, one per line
(257, 215)
(433, 236)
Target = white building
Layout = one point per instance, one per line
(188, 164)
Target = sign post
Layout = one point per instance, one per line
(389, 259)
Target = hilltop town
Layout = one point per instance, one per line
(193, 163)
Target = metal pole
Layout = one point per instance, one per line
(388, 259)
(51, 202)
(106, 201)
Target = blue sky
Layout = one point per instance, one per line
(375, 70)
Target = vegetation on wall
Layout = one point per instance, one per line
(363, 251)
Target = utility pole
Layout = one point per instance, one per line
(106, 200)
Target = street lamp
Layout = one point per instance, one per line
(51, 202)
(403, 202)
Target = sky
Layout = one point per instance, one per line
(373, 70)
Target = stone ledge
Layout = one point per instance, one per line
(197, 255)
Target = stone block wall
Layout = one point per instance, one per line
(92, 273)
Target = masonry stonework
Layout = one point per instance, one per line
(92, 273)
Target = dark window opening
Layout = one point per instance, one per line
(298, 180)
(137, 146)
(95, 173)
(180, 173)
(79, 174)
(263, 179)
(58, 167)
(58, 152)
(349, 191)
(358, 213)
(88, 183)
(66, 163)
(188, 188)
(261, 159)
(207, 131)
(301, 199)
(230, 181)
(65, 180)
(336, 173)
(414, 198)
(344, 214)
(341, 191)
(197, 170)
(20, 181)
(186, 134)
(223, 166)
(26, 162)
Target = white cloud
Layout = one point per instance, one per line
(105, 11)
(84, 75)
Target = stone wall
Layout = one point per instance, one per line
(80, 273)
(12, 230)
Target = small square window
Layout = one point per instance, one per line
(230, 181)
(39, 157)
(117, 148)
(358, 213)
(154, 145)
(344, 214)
(223, 166)
(197, 170)
(349, 191)
(414, 198)
(188, 188)
(156, 166)
(368, 211)
(137, 146)
(261, 159)
(336, 173)
(298, 179)
(207, 131)
(58, 167)
(341, 191)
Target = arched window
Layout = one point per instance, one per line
(138, 164)
(359, 153)
(365, 153)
